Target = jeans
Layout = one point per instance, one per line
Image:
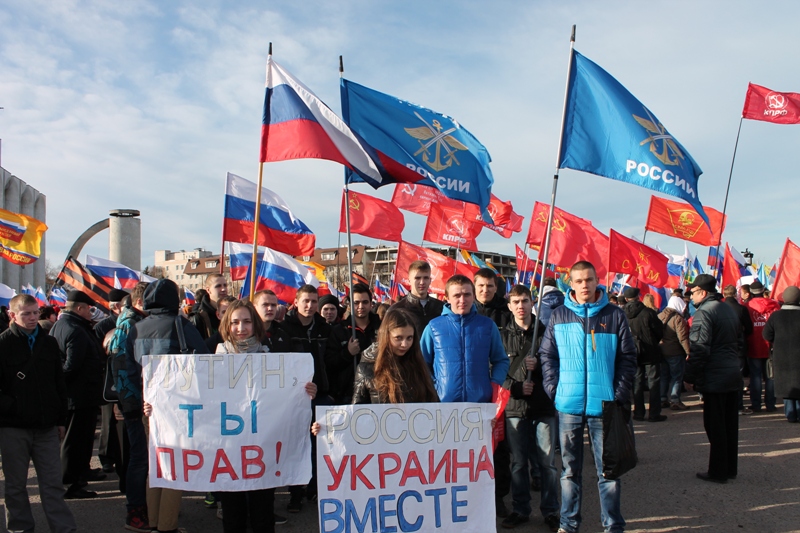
(791, 409)
(672, 369)
(571, 429)
(535, 436)
(136, 480)
(758, 371)
(651, 373)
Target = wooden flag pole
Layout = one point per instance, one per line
(349, 241)
(717, 261)
(546, 244)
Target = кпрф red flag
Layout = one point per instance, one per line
(680, 220)
(372, 217)
(788, 270)
(627, 256)
(771, 106)
(452, 228)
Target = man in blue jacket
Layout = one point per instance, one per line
(465, 354)
(588, 356)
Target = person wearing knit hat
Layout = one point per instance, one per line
(329, 308)
(782, 330)
(758, 349)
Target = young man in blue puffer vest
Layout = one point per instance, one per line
(588, 356)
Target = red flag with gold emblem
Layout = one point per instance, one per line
(627, 256)
(442, 268)
(452, 228)
(788, 270)
(572, 239)
(373, 217)
(418, 198)
(764, 104)
(680, 220)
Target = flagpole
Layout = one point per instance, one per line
(373, 263)
(254, 257)
(727, 192)
(550, 215)
(349, 239)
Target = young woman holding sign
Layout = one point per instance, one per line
(241, 329)
(392, 370)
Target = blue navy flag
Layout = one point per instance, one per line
(608, 132)
(413, 144)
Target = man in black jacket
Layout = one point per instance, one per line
(530, 417)
(746, 322)
(308, 332)
(647, 331)
(419, 302)
(275, 337)
(487, 300)
(345, 348)
(84, 366)
(713, 369)
(33, 411)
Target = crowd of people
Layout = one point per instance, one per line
(61, 372)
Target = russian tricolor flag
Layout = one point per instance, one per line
(109, 270)
(280, 273)
(298, 125)
(381, 291)
(189, 297)
(240, 256)
(6, 293)
(279, 229)
(41, 297)
(58, 296)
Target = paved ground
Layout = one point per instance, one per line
(660, 495)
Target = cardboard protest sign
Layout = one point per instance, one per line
(406, 467)
(229, 422)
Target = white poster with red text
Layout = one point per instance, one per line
(228, 422)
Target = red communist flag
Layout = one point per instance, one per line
(761, 103)
(572, 239)
(680, 220)
(450, 227)
(418, 198)
(627, 256)
(730, 268)
(372, 217)
(524, 263)
(788, 270)
(499, 211)
(442, 268)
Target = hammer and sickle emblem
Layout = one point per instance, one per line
(559, 225)
(354, 203)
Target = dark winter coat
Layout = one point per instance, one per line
(675, 342)
(311, 339)
(647, 331)
(276, 339)
(714, 343)
(84, 360)
(744, 319)
(339, 363)
(497, 310)
(518, 343)
(423, 314)
(204, 318)
(783, 331)
(39, 399)
(157, 334)
(364, 390)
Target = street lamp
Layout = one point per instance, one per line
(748, 257)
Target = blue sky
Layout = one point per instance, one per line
(147, 105)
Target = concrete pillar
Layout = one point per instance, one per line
(125, 237)
(39, 267)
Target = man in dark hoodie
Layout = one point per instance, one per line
(530, 416)
(158, 334)
(345, 348)
(647, 331)
(488, 302)
(308, 332)
(84, 362)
